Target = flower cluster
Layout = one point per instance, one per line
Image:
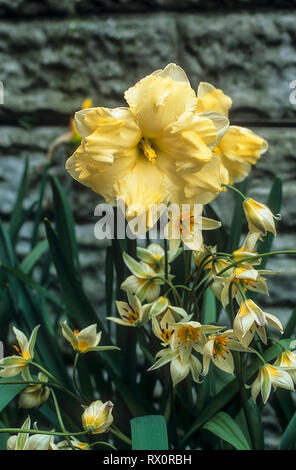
(170, 145)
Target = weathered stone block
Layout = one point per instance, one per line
(251, 56)
(48, 68)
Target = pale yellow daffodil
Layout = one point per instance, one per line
(97, 417)
(157, 150)
(259, 217)
(86, 340)
(23, 441)
(268, 376)
(239, 148)
(251, 319)
(13, 365)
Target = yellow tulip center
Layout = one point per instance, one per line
(148, 150)
(131, 315)
(187, 223)
(220, 348)
(188, 333)
(25, 354)
(166, 334)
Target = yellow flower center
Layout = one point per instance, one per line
(25, 354)
(149, 152)
(220, 348)
(166, 335)
(131, 315)
(273, 372)
(188, 333)
(187, 223)
(81, 445)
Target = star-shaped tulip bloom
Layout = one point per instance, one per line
(13, 365)
(86, 340)
(251, 319)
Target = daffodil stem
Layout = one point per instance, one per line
(239, 375)
(120, 435)
(233, 188)
(59, 416)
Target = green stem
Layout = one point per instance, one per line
(60, 419)
(244, 260)
(120, 435)
(39, 431)
(175, 292)
(166, 261)
(235, 190)
(75, 373)
(238, 372)
(101, 443)
(277, 341)
(64, 389)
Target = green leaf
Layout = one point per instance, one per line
(3, 437)
(289, 437)
(223, 426)
(209, 309)
(227, 394)
(31, 259)
(82, 314)
(274, 203)
(149, 433)
(31, 283)
(217, 237)
(38, 215)
(29, 310)
(291, 325)
(16, 216)
(9, 392)
(237, 220)
(65, 224)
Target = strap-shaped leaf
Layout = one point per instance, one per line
(8, 392)
(228, 393)
(274, 203)
(209, 309)
(65, 224)
(289, 436)
(237, 220)
(149, 433)
(17, 212)
(31, 259)
(223, 426)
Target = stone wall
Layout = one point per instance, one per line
(55, 53)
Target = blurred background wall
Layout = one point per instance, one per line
(55, 53)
